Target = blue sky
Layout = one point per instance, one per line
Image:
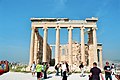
(15, 29)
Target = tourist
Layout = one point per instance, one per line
(64, 69)
(2, 65)
(57, 69)
(67, 66)
(60, 69)
(33, 68)
(6, 65)
(108, 71)
(45, 68)
(95, 73)
(113, 69)
(82, 69)
(39, 71)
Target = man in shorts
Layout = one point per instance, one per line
(39, 71)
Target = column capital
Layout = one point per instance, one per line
(82, 27)
(45, 27)
(94, 28)
(57, 27)
(70, 28)
(100, 49)
(33, 28)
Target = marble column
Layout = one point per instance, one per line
(70, 44)
(57, 47)
(45, 44)
(38, 49)
(82, 45)
(32, 46)
(101, 62)
(91, 55)
(95, 44)
(35, 47)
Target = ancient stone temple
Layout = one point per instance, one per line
(73, 52)
(76, 54)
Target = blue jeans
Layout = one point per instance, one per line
(108, 76)
(57, 73)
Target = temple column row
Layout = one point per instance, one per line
(34, 45)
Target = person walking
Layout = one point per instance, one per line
(113, 69)
(108, 71)
(57, 69)
(67, 66)
(95, 73)
(45, 68)
(39, 71)
(33, 68)
(61, 69)
(64, 69)
(82, 69)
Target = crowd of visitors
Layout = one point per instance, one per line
(62, 69)
(40, 68)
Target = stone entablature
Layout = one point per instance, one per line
(63, 23)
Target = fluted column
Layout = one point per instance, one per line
(57, 47)
(101, 62)
(82, 45)
(35, 47)
(95, 45)
(70, 44)
(32, 46)
(45, 44)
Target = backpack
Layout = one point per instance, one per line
(56, 67)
